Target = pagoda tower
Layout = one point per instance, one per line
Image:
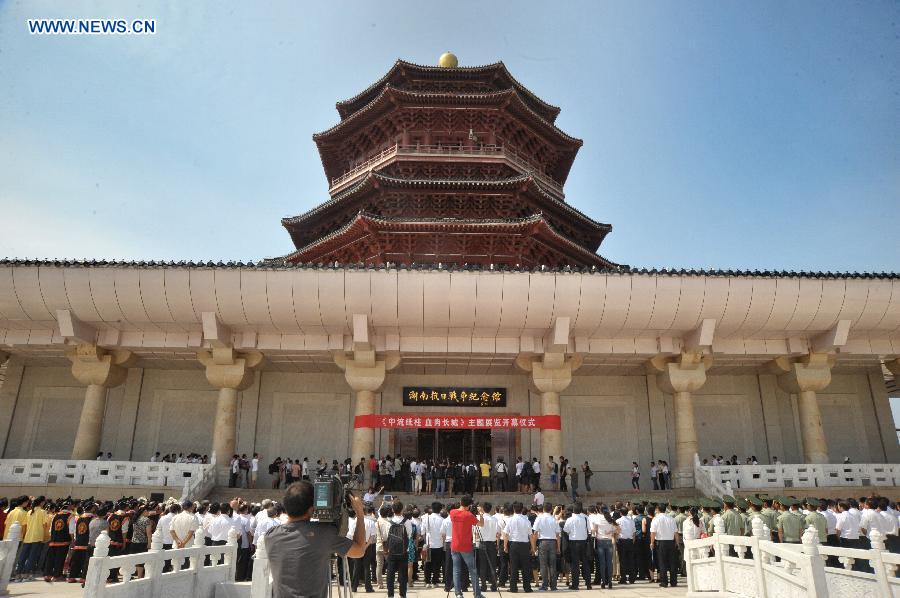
(451, 165)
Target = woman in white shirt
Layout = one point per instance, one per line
(691, 528)
(605, 531)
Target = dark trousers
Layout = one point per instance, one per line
(362, 567)
(503, 573)
(668, 562)
(519, 561)
(78, 563)
(627, 561)
(642, 560)
(242, 566)
(487, 565)
(434, 566)
(501, 482)
(167, 566)
(448, 568)
(396, 566)
(580, 558)
(56, 558)
(831, 560)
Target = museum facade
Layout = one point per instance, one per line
(446, 301)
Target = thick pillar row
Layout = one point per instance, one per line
(230, 371)
(805, 377)
(680, 376)
(100, 370)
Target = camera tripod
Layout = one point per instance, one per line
(344, 590)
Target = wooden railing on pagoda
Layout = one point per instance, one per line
(457, 151)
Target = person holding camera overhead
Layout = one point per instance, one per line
(300, 550)
(461, 545)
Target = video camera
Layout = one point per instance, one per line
(331, 502)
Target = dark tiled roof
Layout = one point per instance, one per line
(275, 264)
(349, 106)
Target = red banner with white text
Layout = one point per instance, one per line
(458, 422)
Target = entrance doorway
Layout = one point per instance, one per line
(454, 445)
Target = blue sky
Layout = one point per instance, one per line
(753, 135)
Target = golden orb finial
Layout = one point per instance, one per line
(448, 60)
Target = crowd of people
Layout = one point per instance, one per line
(59, 536)
(443, 478)
(515, 545)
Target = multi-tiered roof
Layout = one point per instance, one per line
(448, 164)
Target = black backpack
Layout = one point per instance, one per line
(397, 540)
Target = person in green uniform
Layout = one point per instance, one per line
(770, 517)
(734, 525)
(754, 506)
(815, 519)
(790, 522)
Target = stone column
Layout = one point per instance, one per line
(229, 371)
(805, 377)
(365, 374)
(100, 370)
(551, 374)
(680, 376)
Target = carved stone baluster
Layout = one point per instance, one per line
(766, 537)
(197, 560)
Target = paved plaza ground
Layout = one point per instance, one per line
(639, 590)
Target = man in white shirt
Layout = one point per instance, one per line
(264, 523)
(626, 547)
(578, 528)
(653, 476)
(446, 540)
(240, 521)
(501, 473)
(663, 532)
(891, 524)
(164, 525)
(546, 542)
(363, 566)
(432, 528)
(304, 468)
(184, 526)
(220, 525)
(538, 498)
(254, 469)
(517, 542)
(490, 534)
(536, 468)
(847, 525)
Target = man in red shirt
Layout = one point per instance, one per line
(373, 469)
(461, 546)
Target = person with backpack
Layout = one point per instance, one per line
(396, 548)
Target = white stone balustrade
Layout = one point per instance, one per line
(113, 473)
(765, 569)
(195, 580)
(798, 475)
(8, 550)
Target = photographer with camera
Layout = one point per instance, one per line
(461, 544)
(300, 550)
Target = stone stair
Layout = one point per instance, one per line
(225, 494)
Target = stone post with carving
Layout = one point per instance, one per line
(805, 377)
(680, 376)
(100, 369)
(230, 371)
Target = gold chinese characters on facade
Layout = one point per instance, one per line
(454, 397)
